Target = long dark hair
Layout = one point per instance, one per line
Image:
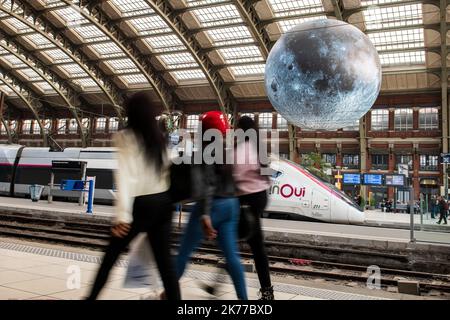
(246, 123)
(142, 114)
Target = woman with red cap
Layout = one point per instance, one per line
(217, 212)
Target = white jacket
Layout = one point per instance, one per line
(135, 175)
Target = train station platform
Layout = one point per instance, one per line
(373, 235)
(38, 271)
(381, 227)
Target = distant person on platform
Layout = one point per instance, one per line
(443, 208)
(434, 207)
(252, 188)
(143, 203)
(358, 199)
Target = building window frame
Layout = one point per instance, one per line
(100, 125)
(192, 123)
(113, 125)
(73, 126)
(350, 160)
(379, 120)
(329, 158)
(428, 162)
(265, 120)
(379, 161)
(405, 159)
(429, 118)
(62, 126)
(403, 119)
(26, 126)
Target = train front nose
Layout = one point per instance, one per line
(355, 216)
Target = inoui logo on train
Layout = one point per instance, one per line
(286, 190)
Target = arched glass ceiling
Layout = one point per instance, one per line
(396, 27)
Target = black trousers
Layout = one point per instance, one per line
(151, 214)
(443, 215)
(257, 203)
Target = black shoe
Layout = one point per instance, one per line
(266, 293)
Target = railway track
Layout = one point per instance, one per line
(95, 236)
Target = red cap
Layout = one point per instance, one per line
(215, 120)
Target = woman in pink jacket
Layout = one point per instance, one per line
(252, 191)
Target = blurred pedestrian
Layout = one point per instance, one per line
(217, 212)
(434, 207)
(252, 191)
(142, 204)
(443, 208)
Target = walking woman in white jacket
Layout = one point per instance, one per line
(143, 203)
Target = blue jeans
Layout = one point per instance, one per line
(224, 217)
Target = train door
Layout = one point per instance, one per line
(320, 205)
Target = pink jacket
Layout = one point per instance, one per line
(246, 170)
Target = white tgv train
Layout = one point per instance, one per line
(294, 192)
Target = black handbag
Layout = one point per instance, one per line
(247, 224)
(180, 182)
(187, 182)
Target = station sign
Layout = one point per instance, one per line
(395, 180)
(445, 158)
(373, 179)
(352, 178)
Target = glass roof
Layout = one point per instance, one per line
(389, 17)
(230, 35)
(130, 8)
(122, 66)
(133, 79)
(403, 58)
(217, 15)
(241, 54)
(179, 60)
(193, 74)
(288, 24)
(30, 74)
(395, 27)
(298, 7)
(248, 70)
(398, 39)
(164, 43)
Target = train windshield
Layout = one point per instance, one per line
(333, 188)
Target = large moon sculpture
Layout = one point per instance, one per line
(323, 75)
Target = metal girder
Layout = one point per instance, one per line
(5, 125)
(248, 13)
(57, 83)
(29, 99)
(338, 9)
(8, 130)
(98, 18)
(45, 28)
(444, 78)
(201, 6)
(174, 21)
